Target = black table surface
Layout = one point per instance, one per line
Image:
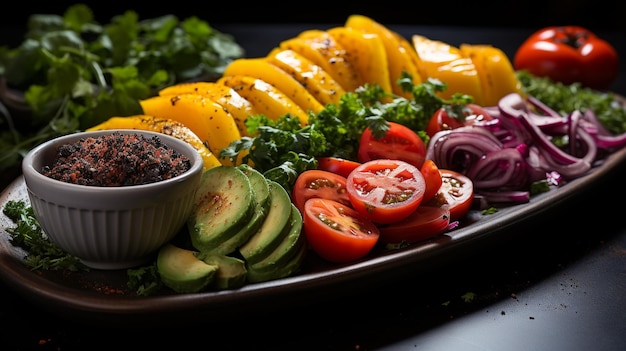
(559, 283)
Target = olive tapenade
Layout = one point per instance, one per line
(116, 159)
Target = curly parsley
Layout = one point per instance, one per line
(27, 234)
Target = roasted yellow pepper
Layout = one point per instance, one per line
(260, 68)
(165, 126)
(239, 107)
(317, 67)
(316, 80)
(367, 53)
(323, 50)
(399, 51)
(265, 98)
(496, 72)
(205, 117)
(448, 64)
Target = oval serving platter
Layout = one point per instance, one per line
(104, 295)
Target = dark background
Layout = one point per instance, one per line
(599, 14)
(561, 288)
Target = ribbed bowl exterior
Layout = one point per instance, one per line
(111, 227)
(112, 239)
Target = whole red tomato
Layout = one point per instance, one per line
(471, 114)
(569, 54)
(400, 143)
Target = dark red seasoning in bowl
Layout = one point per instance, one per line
(116, 160)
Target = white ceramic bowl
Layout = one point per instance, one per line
(110, 227)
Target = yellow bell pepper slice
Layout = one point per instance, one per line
(321, 48)
(316, 80)
(367, 53)
(399, 59)
(260, 68)
(239, 107)
(205, 117)
(497, 75)
(265, 98)
(406, 47)
(448, 64)
(165, 126)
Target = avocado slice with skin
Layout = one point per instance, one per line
(261, 193)
(258, 182)
(182, 271)
(232, 272)
(287, 249)
(271, 232)
(223, 205)
(289, 268)
(233, 243)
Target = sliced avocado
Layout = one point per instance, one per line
(261, 193)
(223, 205)
(271, 232)
(182, 271)
(233, 243)
(287, 249)
(289, 268)
(232, 272)
(260, 188)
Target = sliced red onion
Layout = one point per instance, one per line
(545, 109)
(504, 158)
(593, 124)
(508, 103)
(504, 168)
(603, 138)
(457, 148)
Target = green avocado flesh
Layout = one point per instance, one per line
(271, 232)
(223, 206)
(287, 249)
(232, 272)
(182, 271)
(243, 229)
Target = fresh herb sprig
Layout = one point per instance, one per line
(75, 72)
(41, 252)
(565, 98)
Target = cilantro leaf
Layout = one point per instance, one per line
(75, 72)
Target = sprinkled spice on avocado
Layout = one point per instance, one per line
(116, 160)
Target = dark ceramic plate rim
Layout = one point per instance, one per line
(332, 280)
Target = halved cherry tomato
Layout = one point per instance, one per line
(315, 183)
(337, 233)
(337, 165)
(422, 224)
(457, 190)
(400, 143)
(432, 177)
(386, 190)
(441, 119)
